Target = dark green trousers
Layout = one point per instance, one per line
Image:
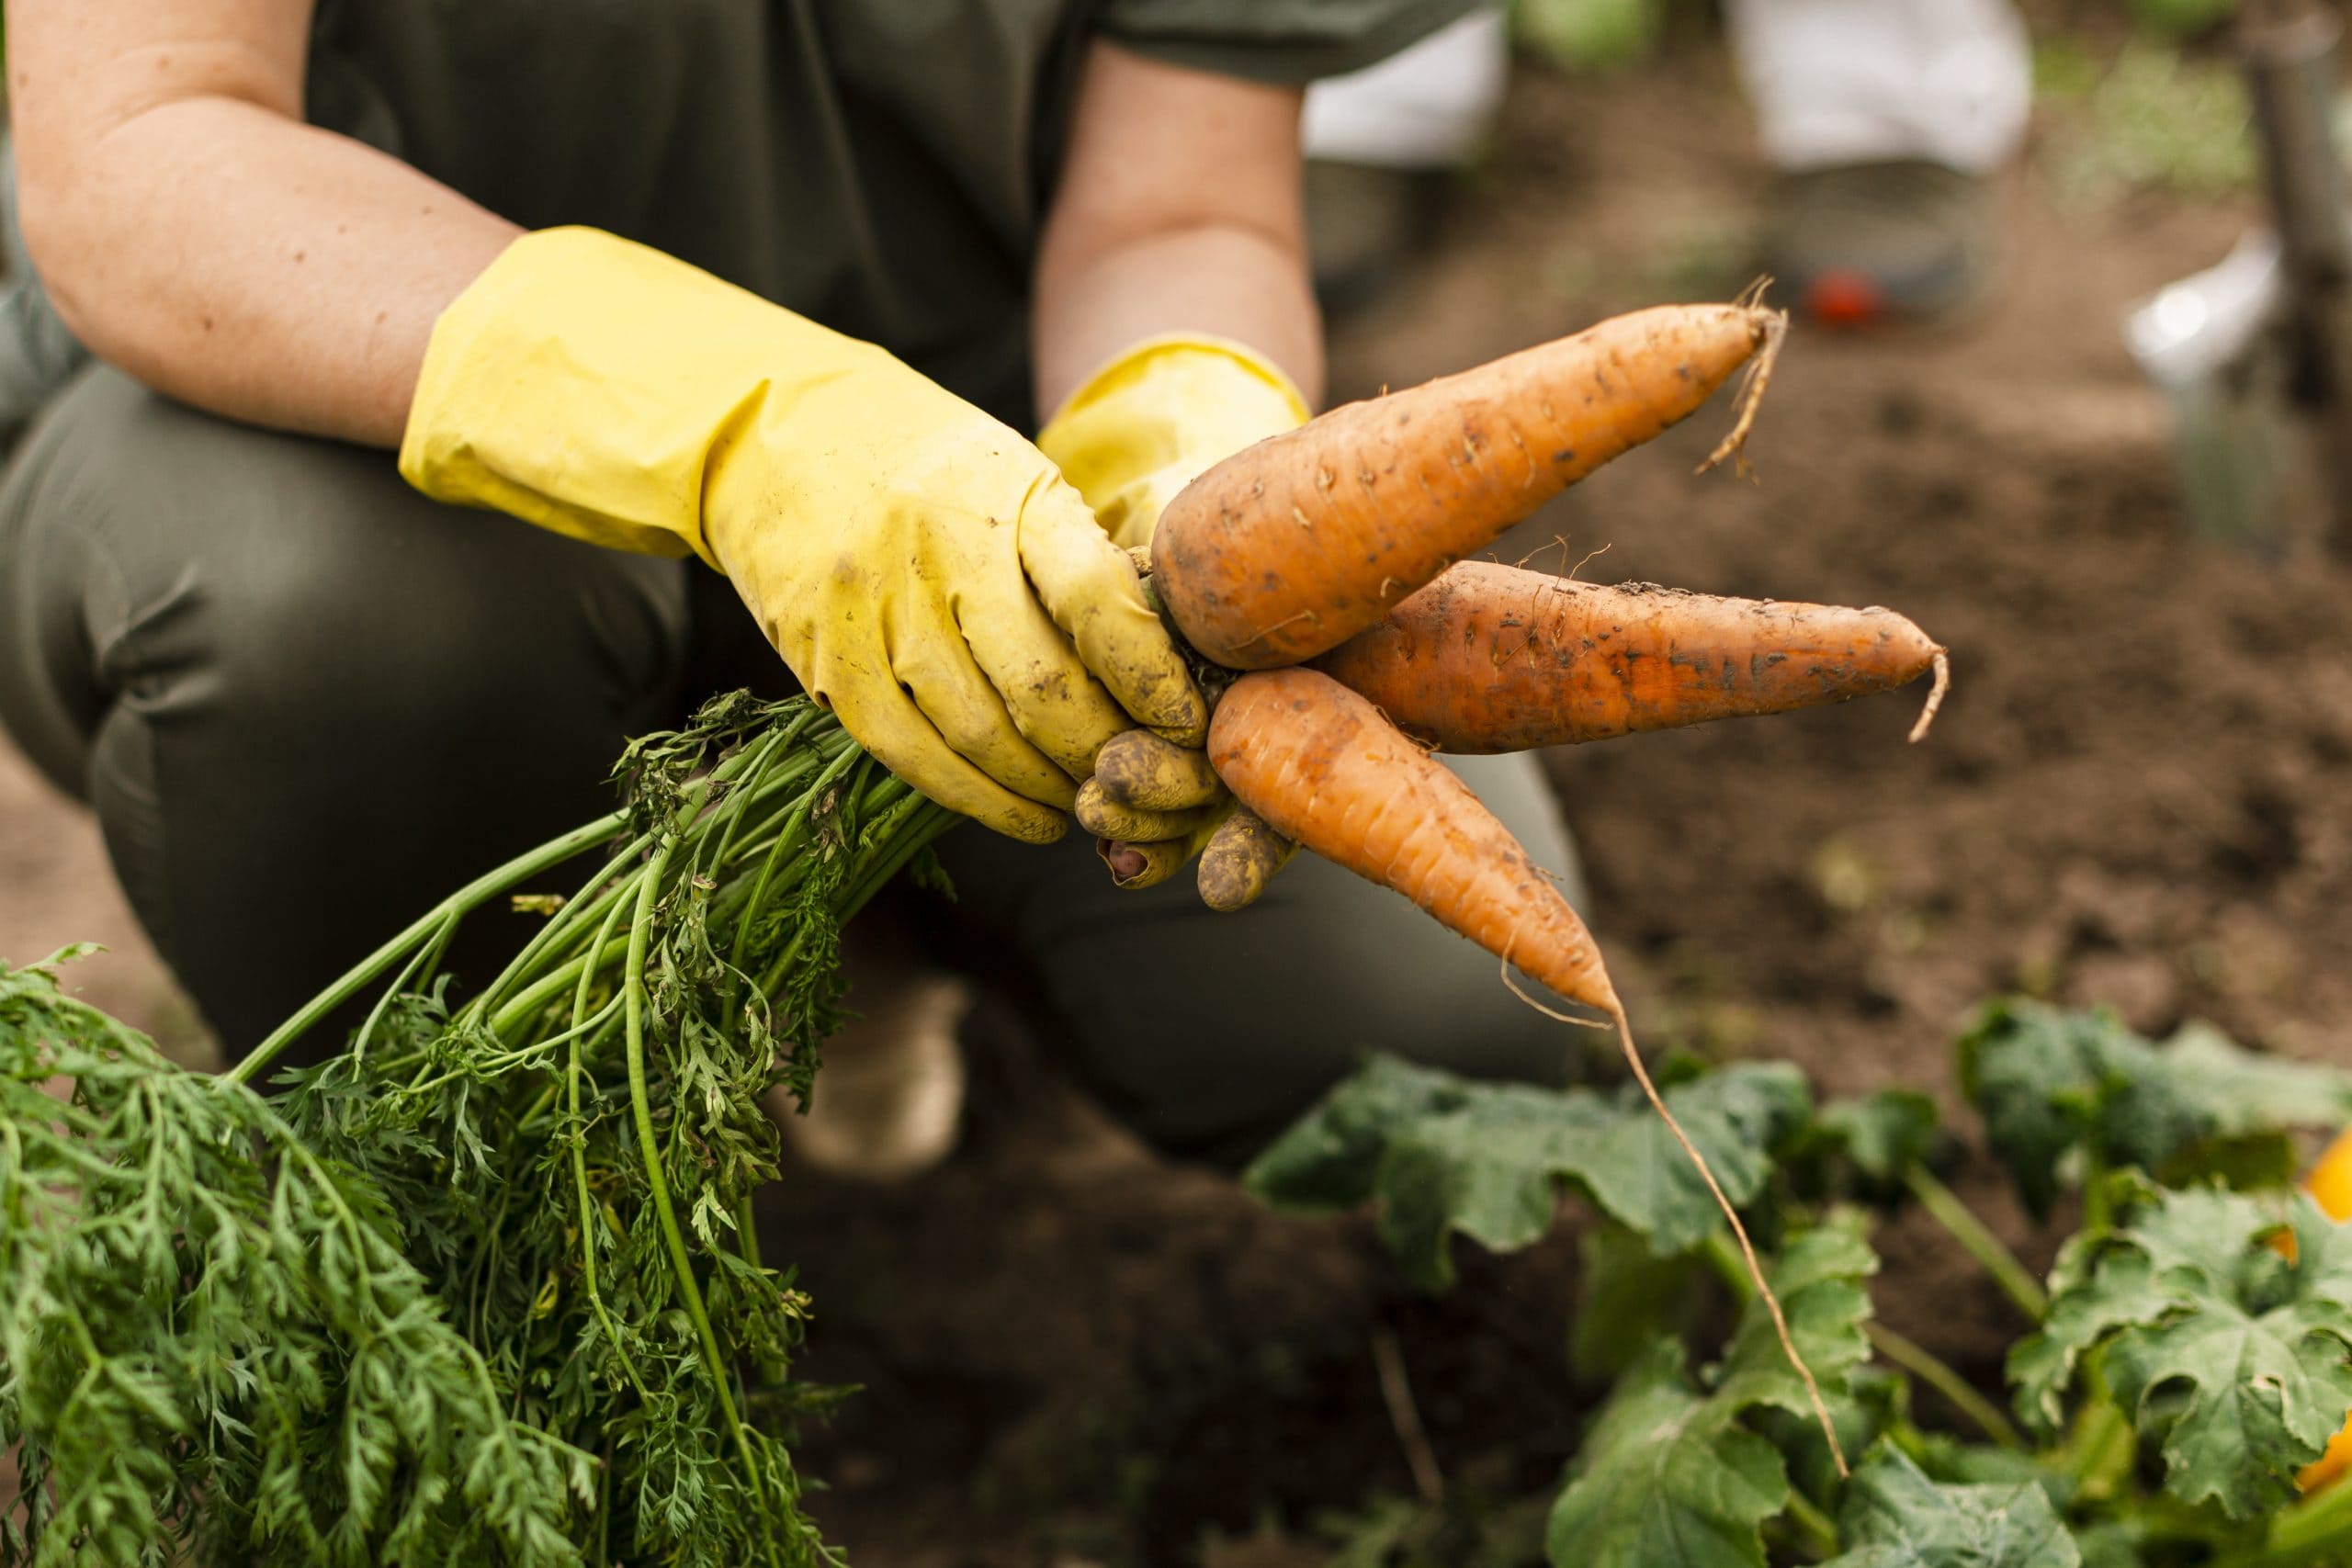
(305, 703)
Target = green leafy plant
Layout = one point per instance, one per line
(2150, 117)
(2190, 1354)
(482, 1287)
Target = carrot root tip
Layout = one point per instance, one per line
(1520, 991)
(1739, 1233)
(1624, 1028)
(1934, 697)
(1774, 324)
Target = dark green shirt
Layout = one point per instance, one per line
(882, 165)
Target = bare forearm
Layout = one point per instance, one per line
(194, 230)
(273, 272)
(1227, 282)
(1178, 212)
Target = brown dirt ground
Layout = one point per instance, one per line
(1075, 1353)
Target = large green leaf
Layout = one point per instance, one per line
(1627, 1296)
(1863, 1149)
(1672, 1476)
(1885, 1135)
(1330, 1158)
(2049, 1082)
(2241, 1358)
(1441, 1153)
(1895, 1517)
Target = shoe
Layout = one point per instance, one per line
(1861, 245)
(889, 1098)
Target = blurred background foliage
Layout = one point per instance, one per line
(2133, 94)
(1602, 35)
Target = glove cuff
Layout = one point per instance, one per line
(587, 384)
(1158, 415)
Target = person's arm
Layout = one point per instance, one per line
(194, 232)
(1178, 212)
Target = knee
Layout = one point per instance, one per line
(253, 573)
(1291, 998)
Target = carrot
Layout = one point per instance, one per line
(1492, 657)
(1324, 770)
(1291, 546)
(1321, 766)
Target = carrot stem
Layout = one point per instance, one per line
(1819, 1530)
(657, 1183)
(524, 866)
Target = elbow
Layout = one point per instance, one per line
(89, 187)
(62, 228)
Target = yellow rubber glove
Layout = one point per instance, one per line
(1139, 430)
(922, 568)
(1160, 415)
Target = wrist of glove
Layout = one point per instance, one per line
(922, 570)
(1134, 434)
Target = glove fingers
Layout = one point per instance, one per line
(968, 714)
(1142, 770)
(1057, 706)
(1136, 861)
(1239, 858)
(1089, 588)
(1108, 818)
(1136, 866)
(884, 719)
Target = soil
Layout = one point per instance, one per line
(1074, 1352)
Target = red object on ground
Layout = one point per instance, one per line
(1845, 297)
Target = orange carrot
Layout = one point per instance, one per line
(1323, 769)
(1495, 659)
(1293, 545)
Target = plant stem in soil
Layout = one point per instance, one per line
(1938, 1374)
(1978, 1241)
(1817, 1530)
(2316, 1530)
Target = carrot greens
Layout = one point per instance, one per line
(482, 1286)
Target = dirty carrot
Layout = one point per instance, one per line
(1492, 657)
(1292, 545)
(1321, 766)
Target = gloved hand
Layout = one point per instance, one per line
(1139, 430)
(920, 568)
